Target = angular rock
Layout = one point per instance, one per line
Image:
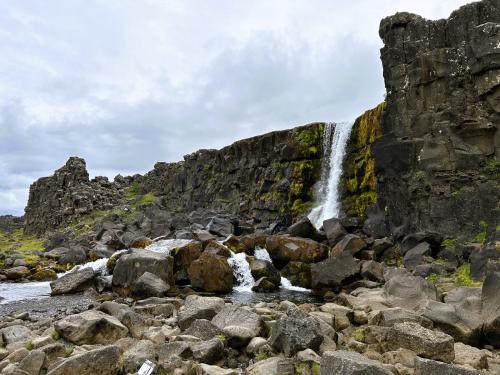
(265, 285)
(197, 307)
(466, 355)
(208, 351)
(272, 366)
(238, 324)
(426, 343)
(91, 327)
(149, 285)
(381, 244)
(490, 298)
(373, 271)
(295, 331)
(132, 265)
(416, 255)
(303, 228)
(216, 248)
(391, 316)
(298, 273)
(16, 273)
(350, 363)
(135, 323)
(334, 272)
(263, 268)
(334, 231)
(68, 255)
(33, 362)
(15, 333)
(284, 248)
(425, 366)
(220, 226)
(409, 291)
(102, 361)
(204, 369)
(349, 243)
(73, 282)
(211, 273)
(479, 259)
(203, 329)
(184, 256)
(137, 354)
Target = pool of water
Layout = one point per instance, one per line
(12, 292)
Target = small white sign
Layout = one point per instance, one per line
(147, 368)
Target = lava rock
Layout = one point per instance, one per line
(73, 282)
(212, 273)
(334, 272)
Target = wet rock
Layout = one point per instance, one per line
(212, 273)
(149, 285)
(265, 285)
(295, 331)
(425, 366)
(132, 265)
(197, 307)
(284, 248)
(91, 327)
(184, 256)
(238, 324)
(334, 272)
(426, 343)
(263, 268)
(349, 243)
(102, 361)
(350, 363)
(298, 273)
(490, 298)
(73, 282)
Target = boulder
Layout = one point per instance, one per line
(91, 327)
(217, 248)
(479, 259)
(16, 273)
(14, 333)
(407, 291)
(203, 329)
(73, 282)
(263, 268)
(284, 248)
(424, 342)
(135, 322)
(303, 228)
(349, 243)
(245, 244)
(272, 366)
(373, 271)
(381, 244)
(466, 355)
(410, 241)
(424, 366)
(184, 256)
(137, 354)
(212, 273)
(295, 331)
(197, 307)
(33, 363)
(220, 226)
(490, 298)
(461, 324)
(132, 265)
(416, 255)
(334, 272)
(149, 285)
(102, 361)
(68, 255)
(391, 316)
(208, 351)
(204, 369)
(334, 230)
(238, 324)
(350, 363)
(465, 298)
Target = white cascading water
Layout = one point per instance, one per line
(335, 139)
(242, 272)
(263, 254)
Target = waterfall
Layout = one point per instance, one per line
(335, 139)
(262, 254)
(242, 272)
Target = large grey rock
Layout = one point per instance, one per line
(135, 355)
(132, 265)
(212, 273)
(91, 327)
(73, 282)
(334, 230)
(135, 322)
(272, 366)
(490, 298)
(303, 228)
(295, 331)
(68, 255)
(423, 341)
(424, 366)
(408, 291)
(33, 363)
(349, 243)
(416, 255)
(238, 324)
(149, 285)
(102, 361)
(197, 307)
(208, 351)
(461, 324)
(391, 316)
(284, 248)
(221, 226)
(15, 333)
(350, 363)
(203, 329)
(204, 369)
(334, 272)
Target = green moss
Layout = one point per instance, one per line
(480, 237)
(450, 243)
(146, 199)
(261, 356)
(312, 136)
(299, 207)
(55, 335)
(433, 277)
(463, 277)
(420, 174)
(133, 191)
(359, 178)
(359, 334)
(315, 367)
(28, 345)
(17, 241)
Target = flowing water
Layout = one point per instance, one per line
(242, 273)
(335, 139)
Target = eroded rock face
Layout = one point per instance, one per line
(437, 160)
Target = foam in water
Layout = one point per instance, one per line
(335, 139)
(166, 246)
(242, 272)
(262, 254)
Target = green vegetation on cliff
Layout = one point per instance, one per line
(16, 241)
(359, 181)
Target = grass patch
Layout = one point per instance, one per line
(449, 243)
(359, 334)
(261, 356)
(28, 345)
(463, 277)
(22, 244)
(433, 278)
(145, 200)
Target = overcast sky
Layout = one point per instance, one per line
(126, 83)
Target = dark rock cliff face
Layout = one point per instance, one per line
(67, 195)
(437, 163)
(260, 179)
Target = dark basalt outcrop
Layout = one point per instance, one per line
(437, 162)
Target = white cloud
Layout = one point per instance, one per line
(126, 83)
